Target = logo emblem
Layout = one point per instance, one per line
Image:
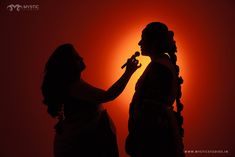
(13, 7)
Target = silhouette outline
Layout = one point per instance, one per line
(84, 128)
(155, 128)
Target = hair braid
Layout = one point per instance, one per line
(172, 53)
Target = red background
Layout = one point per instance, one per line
(105, 33)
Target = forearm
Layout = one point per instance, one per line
(116, 89)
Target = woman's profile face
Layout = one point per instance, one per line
(153, 39)
(145, 45)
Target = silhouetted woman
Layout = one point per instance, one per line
(155, 129)
(84, 128)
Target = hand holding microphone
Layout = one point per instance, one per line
(132, 57)
(132, 63)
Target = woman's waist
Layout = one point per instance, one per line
(153, 103)
(82, 108)
(79, 121)
(82, 112)
(166, 99)
(149, 107)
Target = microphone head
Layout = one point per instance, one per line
(137, 53)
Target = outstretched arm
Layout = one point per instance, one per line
(116, 89)
(85, 91)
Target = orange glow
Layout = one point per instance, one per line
(127, 46)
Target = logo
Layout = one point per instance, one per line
(24, 7)
(13, 7)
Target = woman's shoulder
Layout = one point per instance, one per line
(164, 65)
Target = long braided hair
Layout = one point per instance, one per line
(172, 53)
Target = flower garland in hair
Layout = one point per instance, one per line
(172, 53)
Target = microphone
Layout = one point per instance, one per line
(137, 53)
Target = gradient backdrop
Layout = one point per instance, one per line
(106, 33)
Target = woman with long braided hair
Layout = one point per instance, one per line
(155, 128)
